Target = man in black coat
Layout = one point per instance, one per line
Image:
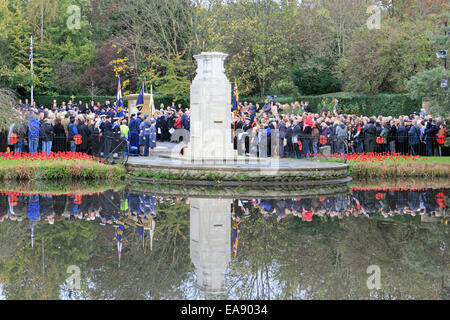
(370, 134)
(430, 133)
(247, 130)
(107, 135)
(296, 136)
(281, 127)
(94, 143)
(402, 138)
(83, 130)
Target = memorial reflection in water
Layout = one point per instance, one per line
(202, 247)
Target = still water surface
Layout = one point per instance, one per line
(145, 246)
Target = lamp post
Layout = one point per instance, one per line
(446, 34)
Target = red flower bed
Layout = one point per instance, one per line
(54, 156)
(373, 157)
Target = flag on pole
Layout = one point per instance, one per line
(119, 102)
(236, 108)
(140, 99)
(140, 229)
(236, 231)
(31, 50)
(152, 102)
(32, 233)
(120, 227)
(31, 64)
(150, 226)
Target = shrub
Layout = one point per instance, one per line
(314, 80)
(362, 104)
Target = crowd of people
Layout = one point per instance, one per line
(91, 128)
(262, 131)
(364, 202)
(268, 131)
(112, 204)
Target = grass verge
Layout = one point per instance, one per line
(55, 170)
(426, 167)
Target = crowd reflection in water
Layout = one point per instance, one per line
(110, 205)
(359, 201)
(210, 251)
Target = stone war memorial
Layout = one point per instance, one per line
(209, 155)
(210, 134)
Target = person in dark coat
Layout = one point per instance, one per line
(59, 204)
(402, 139)
(3, 140)
(83, 130)
(430, 132)
(414, 138)
(144, 136)
(110, 204)
(134, 131)
(165, 135)
(46, 207)
(47, 136)
(134, 203)
(59, 139)
(370, 135)
(108, 136)
(94, 143)
(247, 129)
(296, 134)
(186, 120)
(281, 126)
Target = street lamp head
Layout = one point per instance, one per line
(442, 54)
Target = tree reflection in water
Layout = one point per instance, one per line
(298, 248)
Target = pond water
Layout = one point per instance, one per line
(364, 244)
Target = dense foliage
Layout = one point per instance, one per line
(268, 42)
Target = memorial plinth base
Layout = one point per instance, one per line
(240, 171)
(213, 160)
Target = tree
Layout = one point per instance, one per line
(382, 60)
(426, 84)
(315, 79)
(8, 115)
(258, 36)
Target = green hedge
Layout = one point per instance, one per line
(361, 104)
(369, 105)
(260, 100)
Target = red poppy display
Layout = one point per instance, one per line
(77, 139)
(13, 139)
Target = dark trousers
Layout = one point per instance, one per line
(107, 142)
(370, 144)
(134, 141)
(403, 147)
(429, 147)
(414, 148)
(306, 147)
(146, 146)
(289, 147)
